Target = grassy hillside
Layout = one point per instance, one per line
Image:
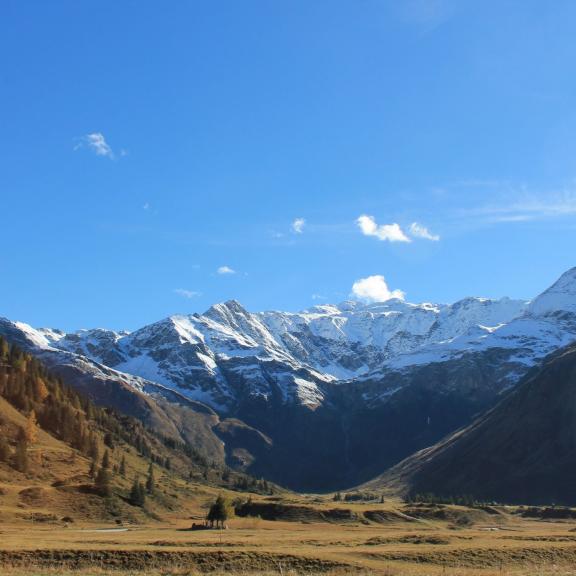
(64, 458)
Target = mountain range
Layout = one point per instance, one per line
(521, 451)
(315, 400)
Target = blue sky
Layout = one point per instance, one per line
(148, 147)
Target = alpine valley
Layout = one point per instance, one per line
(319, 400)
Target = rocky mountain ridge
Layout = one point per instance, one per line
(208, 357)
(356, 386)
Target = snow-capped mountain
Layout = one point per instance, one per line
(330, 381)
(228, 352)
(543, 325)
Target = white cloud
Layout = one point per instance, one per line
(187, 293)
(419, 231)
(298, 225)
(374, 289)
(390, 232)
(97, 143)
(146, 206)
(225, 270)
(318, 297)
(532, 208)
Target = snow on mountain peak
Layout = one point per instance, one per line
(560, 297)
(212, 356)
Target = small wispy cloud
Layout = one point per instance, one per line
(389, 232)
(318, 297)
(374, 289)
(146, 206)
(187, 293)
(419, 231)
(471, 203)
(96, 142)
(298, 225)
(225, 270)
(531, 208)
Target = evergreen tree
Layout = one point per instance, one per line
(109, 440)
(219, 512)
(4, 350)
(137, 493)
(93, 452)
(21, 455)
(106, 461)
(123, 467)
(93, 469)
(103, 480)
(150, 482)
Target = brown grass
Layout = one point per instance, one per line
(517, 546)
(296, 534)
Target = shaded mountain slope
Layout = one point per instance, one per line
(521, 451)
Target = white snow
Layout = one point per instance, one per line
(302, 351)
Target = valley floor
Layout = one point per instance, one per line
(401, 539)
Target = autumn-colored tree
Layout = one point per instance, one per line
(40, 389)
(31, 430)
(5, 450)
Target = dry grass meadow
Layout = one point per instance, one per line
(391, 539)
(50, 525)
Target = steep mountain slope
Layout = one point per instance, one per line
(160, 408)
(320, 399)
(521, 451)
(61, 456)
(228, 354)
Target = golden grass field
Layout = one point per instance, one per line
(446, 540)
(49, 525)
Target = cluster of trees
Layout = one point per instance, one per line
(358, 497)
(70, 417)
(140, 490)
(220, 511)
(251, 484)
(429, 498)
(94, 431)
(23, 385)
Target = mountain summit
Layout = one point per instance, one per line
(355, 387)
(559, 298)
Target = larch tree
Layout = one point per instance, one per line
(31, 430)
